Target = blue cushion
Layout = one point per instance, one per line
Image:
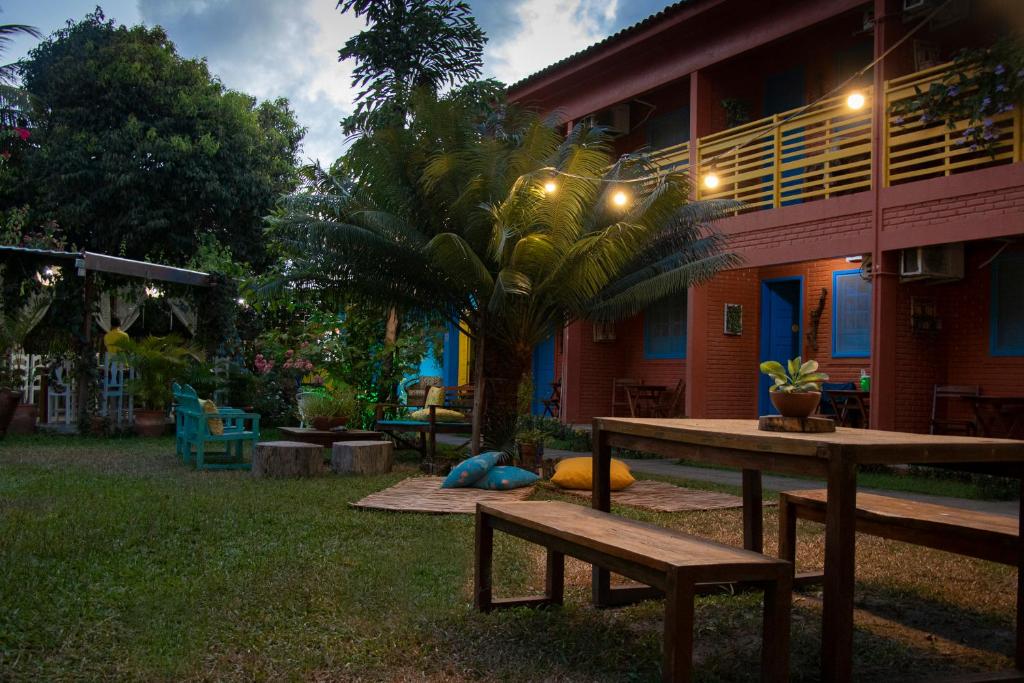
(505, 478)
(470, 470)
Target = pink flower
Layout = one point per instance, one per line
(304, 344)
(23, 133)
(289, 353)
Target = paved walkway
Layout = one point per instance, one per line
(771, 482)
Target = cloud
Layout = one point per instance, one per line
(545, 31)
(269, 48)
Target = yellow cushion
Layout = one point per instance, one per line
(215, 423)
(112, 339)
(577, 473)
(441, 414)
(435, 397)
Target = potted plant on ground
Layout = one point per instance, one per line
(156, 362)
(795, 393)
(14, 330)
(530, 445)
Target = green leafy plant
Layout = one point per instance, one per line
(156, 361)
(338, 401)
(800, 378)
(531, 436)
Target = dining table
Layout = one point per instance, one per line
(998, 415)
(643, 398)
(850, 406)
(833, 457)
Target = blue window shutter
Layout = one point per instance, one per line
(1007, 325)
(665, 329)
(851, 315)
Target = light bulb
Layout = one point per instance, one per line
(711, 181)
(620, 198)
(855, 101)
(550, 187)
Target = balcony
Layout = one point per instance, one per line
(793, 157)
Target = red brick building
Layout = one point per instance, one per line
(869, 243)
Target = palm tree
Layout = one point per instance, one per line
(475, 236)
(14, 101)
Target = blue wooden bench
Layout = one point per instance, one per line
(192, 432)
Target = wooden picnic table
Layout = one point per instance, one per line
(999, 415)
(832, 456)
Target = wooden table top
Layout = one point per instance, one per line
(862, 445)
(639, 542)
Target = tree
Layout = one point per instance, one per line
(409, 45)
(14, 100)
(138, 151)
(509, 260)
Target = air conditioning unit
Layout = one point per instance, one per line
(604, 332)
(614, 119)
(914, 5)
(940, 262)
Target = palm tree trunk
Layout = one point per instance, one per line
(504, 367)
(390, 344)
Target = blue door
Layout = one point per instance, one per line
(784, 91)
(450, 355)
(543, 373)
(781, 306)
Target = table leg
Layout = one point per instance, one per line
(483, 547)
(837, 601)
(753, 511)
(601, 500)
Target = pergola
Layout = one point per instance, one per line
(87, 264)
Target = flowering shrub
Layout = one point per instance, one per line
(981, 85)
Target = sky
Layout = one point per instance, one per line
(289, 48)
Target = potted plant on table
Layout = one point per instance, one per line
(796, 392)
(327, 408)
(156, 362)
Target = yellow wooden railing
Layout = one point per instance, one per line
(675, 158)
(778, 160)
(916, 149)
(774, 162)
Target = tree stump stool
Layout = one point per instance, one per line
(362, 457)
(287, 459)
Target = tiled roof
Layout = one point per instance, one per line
(628, 31)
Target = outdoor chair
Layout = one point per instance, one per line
(672, 403)
(395, 419)
(825, 406)
(941, 393)
(192, 431)
(553, 403)
(620, 394)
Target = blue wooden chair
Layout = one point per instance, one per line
(192, 431)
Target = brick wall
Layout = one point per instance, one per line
(979, 206)
(839, 227)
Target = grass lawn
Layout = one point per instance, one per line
(116, 561)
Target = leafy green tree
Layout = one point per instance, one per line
(138, 151)
(14, 100)
(409, 45)
(510, 260)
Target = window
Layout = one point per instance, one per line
(851, 315)
(665, 329)
(1007, 333)
(669, 129)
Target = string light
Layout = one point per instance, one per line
(49, 276)
(154, 292)
(711, 180)
(855, 100)
(550, 187)
(620, 198)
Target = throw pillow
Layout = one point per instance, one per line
(440, 414)
(505, 478)
(215, 424)
(577, 473)
(435, 397)
(470, 470)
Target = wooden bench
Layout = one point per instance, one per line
(665, 559)
(965, 532)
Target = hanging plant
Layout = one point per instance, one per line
(980, 86)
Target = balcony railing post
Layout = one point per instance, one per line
(776, 163)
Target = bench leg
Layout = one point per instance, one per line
(484, 551)
(677, 658)
(554, 579)
(778, 603)
(1019, 649)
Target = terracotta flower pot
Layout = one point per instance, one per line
(527, 455)
(150, 422)
(8, 404)
(24, 419)
(795, 404)
(328, 423)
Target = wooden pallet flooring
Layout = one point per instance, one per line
(424, 494)
(664, 497)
